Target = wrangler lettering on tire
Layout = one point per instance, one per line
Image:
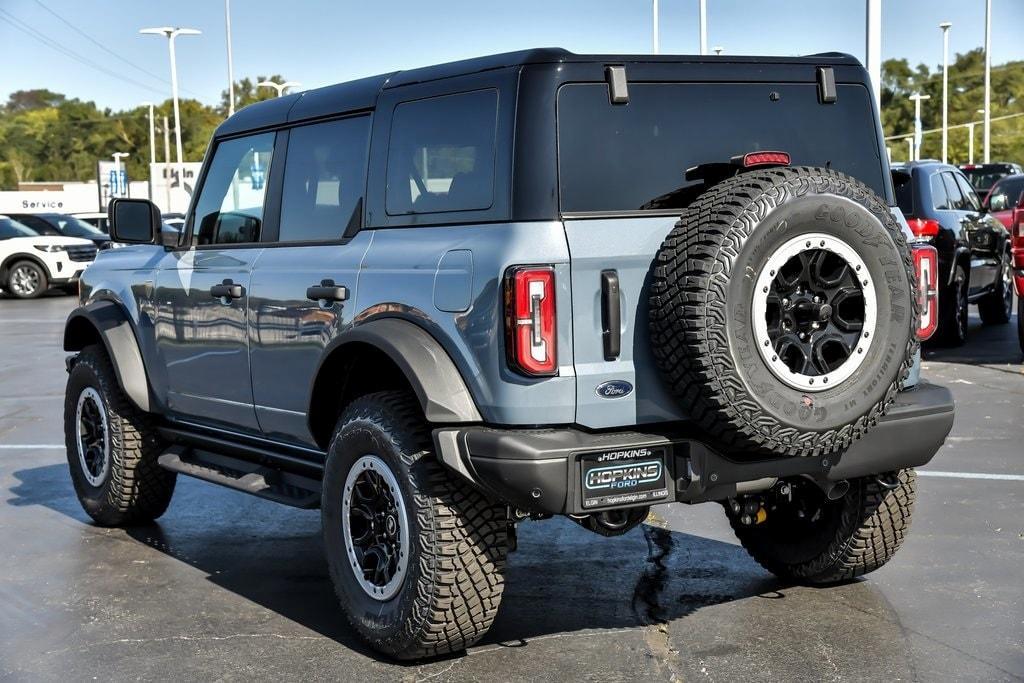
(805, 350)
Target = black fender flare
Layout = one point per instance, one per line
(107, 320)
(437, 383)
(961, 256)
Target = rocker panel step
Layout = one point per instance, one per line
(241, 475)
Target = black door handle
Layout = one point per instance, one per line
(227, 290)
(611, 314)
(327, 291)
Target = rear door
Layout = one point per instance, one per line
(976, 231)
(622, 187)
(989, 233)
(202, 290)
(304, 284)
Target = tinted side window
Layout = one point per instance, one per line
(970, 196)
(940, 200)
(441, 156)
(230, 205)
(324, 180)
(956, 200)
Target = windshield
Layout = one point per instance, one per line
(76, 227)
(11, 228)
(633, 157)
(1009, 188)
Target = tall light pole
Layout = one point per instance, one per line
(171, 33)
(873, 48)
(115, 191)
(654, 26)
(231, 68)
(702, 19)
(910, 149)
(917, 97)
(279, 87)
(167, 162)
(970, 142)
(945, 89)
(152, 146)
(987, 127)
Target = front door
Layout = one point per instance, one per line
(304, 283)
(202, 290)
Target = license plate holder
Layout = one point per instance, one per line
(623, 477)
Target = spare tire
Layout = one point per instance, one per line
(782, 311)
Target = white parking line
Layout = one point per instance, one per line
(31, 321)
(31, 446)
(970, 475)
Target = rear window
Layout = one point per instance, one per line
(633, 157)
(903, 187)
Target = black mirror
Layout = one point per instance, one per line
(134, 221)
(997, 202)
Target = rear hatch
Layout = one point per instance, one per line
(622, 188)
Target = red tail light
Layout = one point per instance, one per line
(1017, 237)
(926, 265)
(923, 227)
(752, 159)
(530, 321)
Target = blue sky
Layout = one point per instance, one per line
(319, 43)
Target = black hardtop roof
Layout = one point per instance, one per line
(362, 94)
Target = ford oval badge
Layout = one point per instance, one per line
(616, 388)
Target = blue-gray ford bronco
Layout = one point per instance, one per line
(437, 303)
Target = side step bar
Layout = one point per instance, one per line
(242, 475)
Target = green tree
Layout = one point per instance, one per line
(247, 92)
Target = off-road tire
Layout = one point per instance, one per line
(458, 538)
(953, 310)
(701, 320)
(861, 532)
(44, 282)
(1020, 322)
(996, 307)
(135, 490)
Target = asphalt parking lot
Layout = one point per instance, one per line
(229, 587)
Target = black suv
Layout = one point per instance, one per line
(984, 176)
(53, 224)
(943, 208)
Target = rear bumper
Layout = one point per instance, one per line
(538, 470)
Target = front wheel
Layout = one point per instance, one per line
(112, 447)
(416, 557)
(810, 539)
(26, 280)
(996, 308)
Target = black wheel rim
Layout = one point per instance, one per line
(1007, 276)
(961, 304)
(93, 438)
(376, 527)
(813, 312)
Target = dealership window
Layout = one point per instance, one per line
(441, 155)
(324, 180)
(230, 205)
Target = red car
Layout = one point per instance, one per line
(1006, 202)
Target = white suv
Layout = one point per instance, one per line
(31, 263)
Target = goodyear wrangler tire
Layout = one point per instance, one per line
(782, 312)
(416, 557)
(112, 447)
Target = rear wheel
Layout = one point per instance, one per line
(1020, 321)
(996, 308)
(26, 280)
(953, 310)
(416, 557)
(810, 539)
